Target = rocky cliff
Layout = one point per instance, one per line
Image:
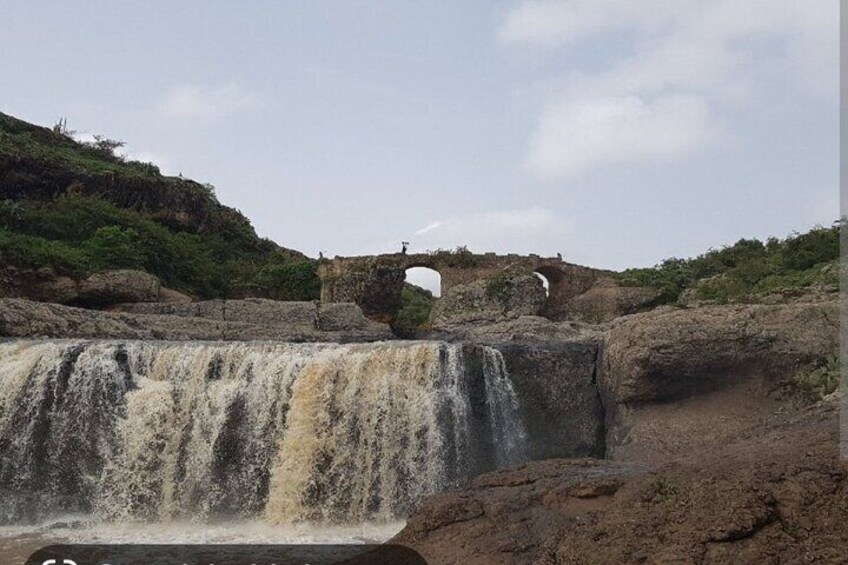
(776, 493)
(711, 451)
(675, 378)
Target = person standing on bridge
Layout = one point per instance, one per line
(403, 246)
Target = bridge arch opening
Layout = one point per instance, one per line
(545, 282)
(426, 278)
(554, 289)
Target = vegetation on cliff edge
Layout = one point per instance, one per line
(79, 208)
(748, 269)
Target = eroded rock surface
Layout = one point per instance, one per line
(607, 300)
(249, 319)
(102, 289)
(668, 373)
(712, 460)
(776, 494)
(489, 301)
(505, 517)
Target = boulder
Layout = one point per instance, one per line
(674, 378)
(506, 297)
(169, 295)
(339, 316)
(607, 300)
(115, 287)
(671, 353)
(42, 284)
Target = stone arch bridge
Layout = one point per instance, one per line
(375, 281)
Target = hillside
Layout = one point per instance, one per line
(78, 208)
(747, 271)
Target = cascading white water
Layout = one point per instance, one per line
(503, 412)
(287, 432)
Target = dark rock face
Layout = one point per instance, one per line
(380, 298)
(374, 288)
(555, 384)
(668, 354)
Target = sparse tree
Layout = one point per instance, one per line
(106, 145)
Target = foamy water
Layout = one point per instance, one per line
(239, 443)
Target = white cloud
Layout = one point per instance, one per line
(685, 64)
(553, 22)
(574, 136)
(522, 230)
(429, 228)
(192, 101)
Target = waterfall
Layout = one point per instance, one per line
(152, 431)
(507, 429)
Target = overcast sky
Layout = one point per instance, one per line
(617, 132)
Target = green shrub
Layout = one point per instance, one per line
(414, 311)
(291, 281)
(747, 269)
(459, 257)
(823, 379)
(500, 288)
(36, 252)
(113, 247)
(804, 251)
